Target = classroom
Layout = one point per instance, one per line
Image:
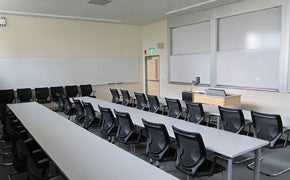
(239, 46)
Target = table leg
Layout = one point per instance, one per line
(230, 169)
(257, 164)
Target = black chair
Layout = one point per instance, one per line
(154, 104)
(174, 108)
(71, 91)
(126, 133)
(159, 146)
(141, 101)
(92, 117)
(109, 123)
(187, 96)
(24, 95)
(54, 91)
(115, 96)
(191, 155)
(80, 111)
(195, 113)
(269, 127)
(127, 100)
(68, 110)
(35, 171)
(6, 97)
(87, 90)
(42, 95)
(232, 120)
(60, 102)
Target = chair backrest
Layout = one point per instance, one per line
(154, 104)
(60, 102)
(7, 96)
(90, 112)
(67, 105)
(80, 111)
(191, 152)
(267, 126)
(126, 97)
(71, 91)
(158, 140)
(42, 94)
(187, 96)
(174, 107)
(108, 120)
(233, 119)
(54, 91)
(125, 126)
(86, 89)
(195, 112)
(33, 171)
(24, 94)
(141, 100)
(115, 95)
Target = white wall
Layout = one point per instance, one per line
(35, 37)
(270, 102)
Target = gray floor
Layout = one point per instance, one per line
(273, 160)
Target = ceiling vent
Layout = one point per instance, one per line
(99, 2)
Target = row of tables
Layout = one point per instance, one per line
(79, 153)
(225, 143)
(82, 155)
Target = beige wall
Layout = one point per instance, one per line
(26, 36)
(269, 102)
(49, 37)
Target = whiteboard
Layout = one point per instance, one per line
(254, 30)
(39, 72)
(184, 68)
(255, 68)
(189, 39)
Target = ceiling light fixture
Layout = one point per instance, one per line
(60, 16)
(192, 6)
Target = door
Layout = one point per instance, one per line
(152, 75)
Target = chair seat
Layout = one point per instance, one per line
(170, 155)
(133, 139)
(204, 169)
(279, 144)
(109, 132)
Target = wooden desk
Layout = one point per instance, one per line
(217, 100)
(79, 153)
(230, 145)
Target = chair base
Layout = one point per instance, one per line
(9, 148)
(3, 163)
(251, 167)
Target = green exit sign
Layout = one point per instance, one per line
(151, 50)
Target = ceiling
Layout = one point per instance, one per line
(135, 12)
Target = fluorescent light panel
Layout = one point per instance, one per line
(60, 16)
(192, 6)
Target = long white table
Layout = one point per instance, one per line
(79, 153)
(225, 143)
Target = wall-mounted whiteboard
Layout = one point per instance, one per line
(251, 68)
(189, 39)
(254, 30)
(185, 68)
(38, 72)
(249, 49)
